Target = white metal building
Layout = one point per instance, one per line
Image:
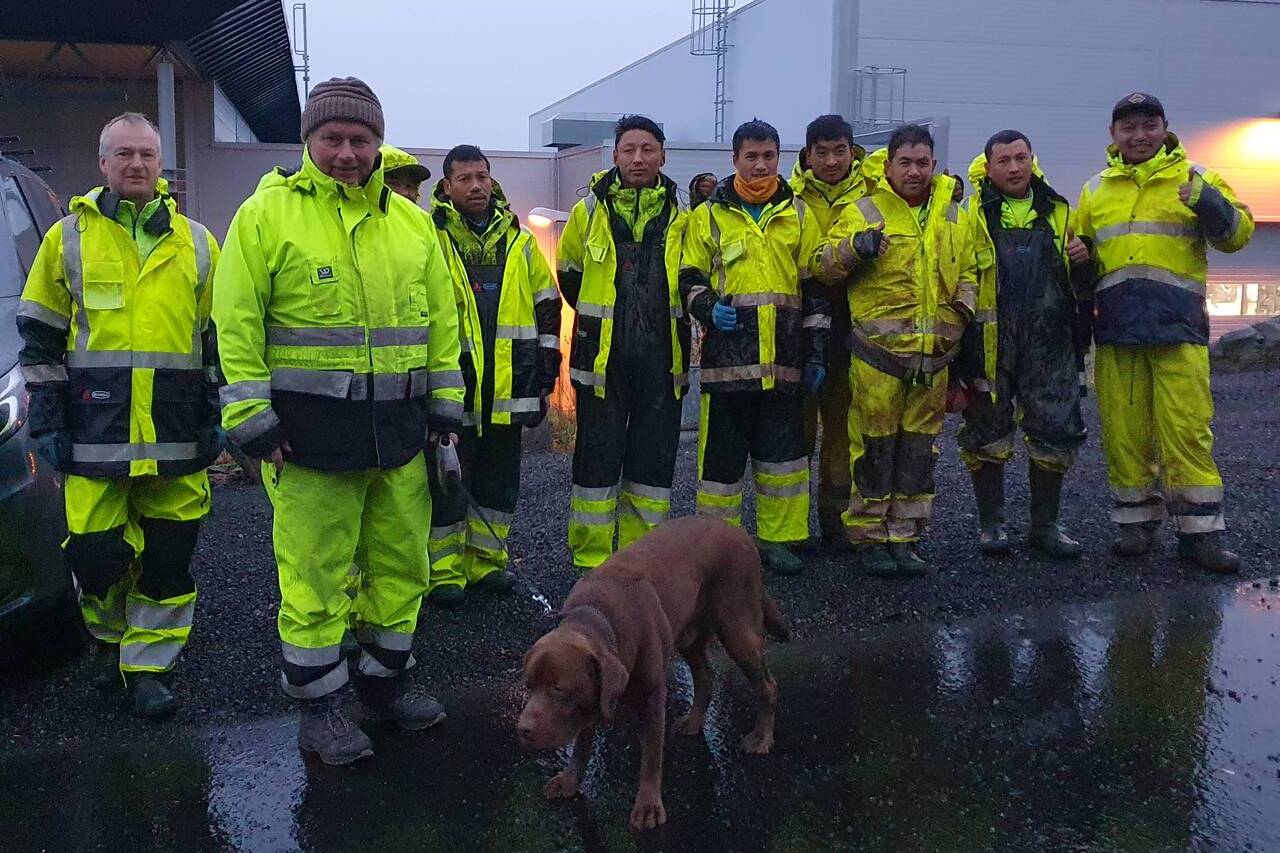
(1049, 68)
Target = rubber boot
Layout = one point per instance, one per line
(910, 564)
(104, 668)
(779, 559)
(988, 489)
(149, 697)
(447, 595)
(1133, 540)
(498, 582)
(877, 561)
(1207, 552)
(328, 730)
(395, 700)
(831, 527)
(1046, 535)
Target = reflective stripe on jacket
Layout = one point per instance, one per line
(587, 261)
(339, 332)
(763, 267)
(1152, 247)
(917, 298)
(528, 337)
(118, 352)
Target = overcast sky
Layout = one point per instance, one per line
(454, 71)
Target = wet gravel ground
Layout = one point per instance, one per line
(229, 672)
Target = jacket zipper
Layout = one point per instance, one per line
(368, 344)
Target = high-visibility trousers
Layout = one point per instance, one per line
(129, 545)
(320, 519)
(624, 458)
(767, 427)
(831, 405)
(893, 427)
(1156, 410)
(462, 548)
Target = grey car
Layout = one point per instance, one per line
(35, 588)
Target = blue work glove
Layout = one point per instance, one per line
(724, 316)
(813, 377)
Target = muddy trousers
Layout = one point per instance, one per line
(895, 425)
(320, 519)
(129, 546)
(768, 428)
(1047, 409)
(462, 549)
(830, 406)
(623, 460)
(1156, 408)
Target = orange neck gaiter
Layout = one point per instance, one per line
(755, 190)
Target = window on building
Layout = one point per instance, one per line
(1238, 298)
(228, 124)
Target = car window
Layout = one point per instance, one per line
(22, 234)
(42, 202)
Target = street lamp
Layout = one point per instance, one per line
(544, 217)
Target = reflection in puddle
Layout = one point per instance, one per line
(1141, 724)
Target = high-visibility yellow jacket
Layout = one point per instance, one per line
(587, 262)
(914, 302)
(980, 209)
(763, 268)
(1152, 248)
(339, 331)
(525, 345)
(117, 351)
(827, 201)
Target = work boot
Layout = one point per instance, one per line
(1207, 552)
(149, 698)
(1133, 540)
(909, 563)
(835, 541)
(1046, 535)
(498, 582)
(447, 595)
(877, 561)
(779, 559)
(328, 731)
(104, 668)
(412, 710)
(988, 489)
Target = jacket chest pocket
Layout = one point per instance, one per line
(735, 251)
(327, 288)
(597, 251)
(103, 285)
(984, 258)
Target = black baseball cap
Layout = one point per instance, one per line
(1137, 102)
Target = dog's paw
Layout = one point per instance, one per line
(757, 742)
(648, 811)
(688, 725)
(561, 786)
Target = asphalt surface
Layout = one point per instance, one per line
(1140, 724)
(229, 674)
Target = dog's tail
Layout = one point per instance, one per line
(774, 625)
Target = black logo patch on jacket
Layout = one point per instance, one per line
(324, 274)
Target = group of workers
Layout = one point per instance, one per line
(361, 341)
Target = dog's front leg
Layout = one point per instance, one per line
(565, 783)
(648, 811)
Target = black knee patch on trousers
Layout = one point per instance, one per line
(913, 465)
(166, 557)
(873, 472)
(99, 560)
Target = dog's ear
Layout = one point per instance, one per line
(612, 677)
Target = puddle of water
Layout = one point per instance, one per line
(1142, 724)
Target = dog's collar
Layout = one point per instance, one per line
(596, 617)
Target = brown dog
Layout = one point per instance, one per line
(682, 585)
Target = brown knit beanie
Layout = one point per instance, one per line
(342, 99)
